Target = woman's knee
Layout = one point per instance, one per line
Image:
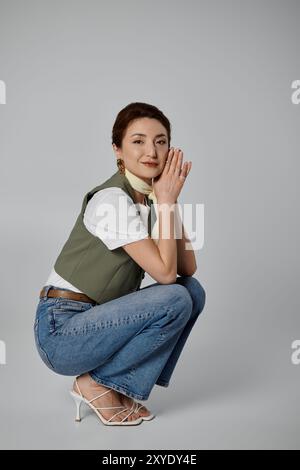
(196, 291)
(173, 298)
(181, 302)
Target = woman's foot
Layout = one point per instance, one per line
(90, 389)
(127, 401)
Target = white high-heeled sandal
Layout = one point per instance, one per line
(79, 398)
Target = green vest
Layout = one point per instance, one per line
(87, 263)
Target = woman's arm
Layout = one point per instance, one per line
(160, 261)
(186, 260)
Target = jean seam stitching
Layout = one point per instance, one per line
(83, 331)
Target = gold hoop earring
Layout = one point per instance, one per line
(121, 166)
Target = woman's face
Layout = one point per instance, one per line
(137, 149)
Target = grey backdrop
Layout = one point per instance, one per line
(222, 72)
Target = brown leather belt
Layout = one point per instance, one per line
(67, 295)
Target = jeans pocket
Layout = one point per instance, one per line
(59, 317)
(64, 310)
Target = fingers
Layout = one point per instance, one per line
(168, 161)
(184, 171)
(178, 164)
(173, 164)
(174, 160)
(188, 167)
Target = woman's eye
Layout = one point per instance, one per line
(162, 141)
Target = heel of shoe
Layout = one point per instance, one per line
(78, 401)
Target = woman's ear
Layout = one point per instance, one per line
(116, 150)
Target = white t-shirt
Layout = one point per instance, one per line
(112, 216)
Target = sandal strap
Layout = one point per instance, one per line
(76, 383)
(108, 407)
(139, 406)
(130, 412)
(98, 396)
(133, 409)
(95, 398)
(117, 415)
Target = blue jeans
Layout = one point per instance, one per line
(128, 344)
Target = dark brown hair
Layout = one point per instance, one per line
(135, 111)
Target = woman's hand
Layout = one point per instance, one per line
(169, 183)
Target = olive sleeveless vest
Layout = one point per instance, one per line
(87, 263)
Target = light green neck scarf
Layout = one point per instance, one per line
(142, 187)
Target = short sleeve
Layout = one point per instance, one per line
(112, 216)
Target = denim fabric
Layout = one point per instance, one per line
(129, 344)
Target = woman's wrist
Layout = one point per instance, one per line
(166, 201)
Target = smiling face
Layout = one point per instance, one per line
(145, 140)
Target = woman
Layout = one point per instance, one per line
(93, 320)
